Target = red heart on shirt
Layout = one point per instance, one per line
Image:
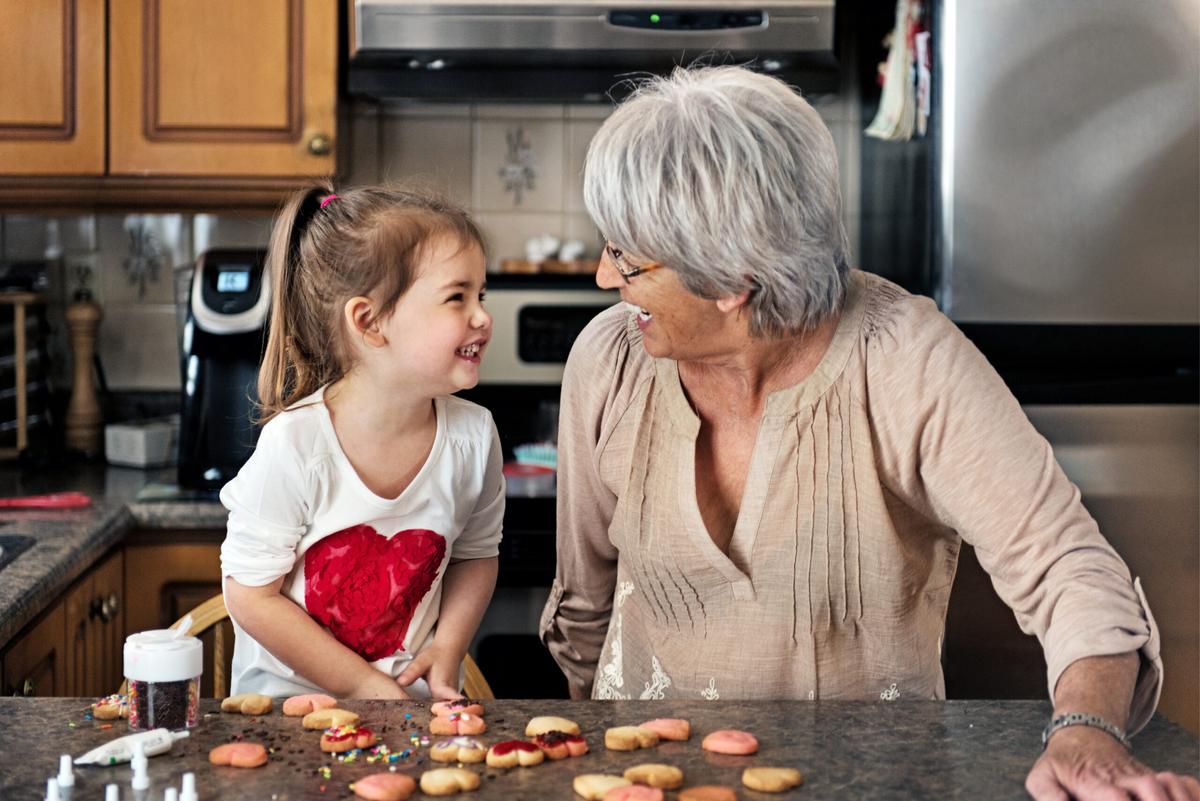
(364, 586)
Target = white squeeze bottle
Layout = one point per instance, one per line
(156, 741)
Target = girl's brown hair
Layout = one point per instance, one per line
(323, 251)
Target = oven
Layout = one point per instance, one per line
(536, 319)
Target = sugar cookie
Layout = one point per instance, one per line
(238, 755)
(448, 781)
(772, 780)
(629, 738)
(634, 792)
(730, 741)
(457, 723)
(511, 753)
(458, 749)
(708, 792)
(668, 777)
(111, 707)
(560, 745)
(462, 705)
(669, 728)
(541, 725)
(593, 786)
(299, 705)
(384, 787)
(337, 739)
(247, 704)
(328, 718)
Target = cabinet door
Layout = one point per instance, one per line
(95, 630)
(52, 55)
(222, 88)
(35, 664)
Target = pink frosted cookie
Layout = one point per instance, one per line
(238, 755)
(669, 728)
(457, 723)
(299, 705)
(634, 792)
(337, 739)
(730, 741)
(384, 787)
(463, 706)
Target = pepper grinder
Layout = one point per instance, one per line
(83, 410)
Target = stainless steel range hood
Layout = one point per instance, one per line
(580, 50)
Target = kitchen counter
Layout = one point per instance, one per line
(845, 749)
(68, 542)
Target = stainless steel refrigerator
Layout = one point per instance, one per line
(1065, 240)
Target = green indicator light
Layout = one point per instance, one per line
(655, 18)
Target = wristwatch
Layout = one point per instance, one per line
(1082, 719)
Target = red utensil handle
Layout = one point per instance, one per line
(54, 500)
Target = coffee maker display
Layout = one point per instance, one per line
(223, 337)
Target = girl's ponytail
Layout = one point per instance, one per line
(286, 374)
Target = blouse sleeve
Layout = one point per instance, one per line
(480, 539)
(576, 616)
(955, 444)
(268, 503)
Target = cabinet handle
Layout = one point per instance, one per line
(27, 689)
(109, 607)
(95, 608)
(320, 144)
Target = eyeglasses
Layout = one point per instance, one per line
(622, 265)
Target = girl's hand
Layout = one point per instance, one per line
(440, 668)
(378, 685)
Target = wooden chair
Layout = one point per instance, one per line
(210, 613)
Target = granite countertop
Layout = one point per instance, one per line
(67, 542)
(845, 749)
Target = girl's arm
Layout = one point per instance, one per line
(287, 631)
(466, 590)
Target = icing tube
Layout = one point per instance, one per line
(121, 749)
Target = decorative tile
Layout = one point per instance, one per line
(139, 347)
(428, 149)
(518, 165)
(589, 111)
(519, 111)
(579, 134)
(506, 234)
(581, 227)
(77, 234)
(211, 231)
(138, 255)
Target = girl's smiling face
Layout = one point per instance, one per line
(437, 333)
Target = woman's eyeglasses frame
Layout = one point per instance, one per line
(622, 266)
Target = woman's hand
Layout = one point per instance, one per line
(1086, 763)
(439, 666)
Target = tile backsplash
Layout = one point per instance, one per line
(518, 168)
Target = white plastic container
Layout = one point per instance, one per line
(150, 443)
(163, 668)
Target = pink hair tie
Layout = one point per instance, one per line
(325, 201)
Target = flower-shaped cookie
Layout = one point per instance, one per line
(458, 749)
(239, 755)
(511, 753)
(463, 706)
(457, 723)
(337, 739)
(629, 738)
(448, 781)
(299, 705)
(560, 745)
(247, 704)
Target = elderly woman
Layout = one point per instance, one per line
(768, 461)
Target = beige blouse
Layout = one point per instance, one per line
(864, 478)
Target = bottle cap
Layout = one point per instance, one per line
(163, 655)
(52, 790)
(188, 791)
(66, 776)
(112, 792)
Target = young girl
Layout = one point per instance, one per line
(363, 531)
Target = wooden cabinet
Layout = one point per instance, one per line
(191, 105)
(74, 649)
(52, 57)
(36, 662)
(95, 630)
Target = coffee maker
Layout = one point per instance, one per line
(222, 344)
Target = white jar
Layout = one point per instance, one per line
(163, 670)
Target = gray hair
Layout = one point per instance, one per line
(730, 178)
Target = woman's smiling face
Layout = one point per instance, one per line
(675, 323)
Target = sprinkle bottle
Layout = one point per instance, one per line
(163, 669)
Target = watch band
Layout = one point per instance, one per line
(1083, 719)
